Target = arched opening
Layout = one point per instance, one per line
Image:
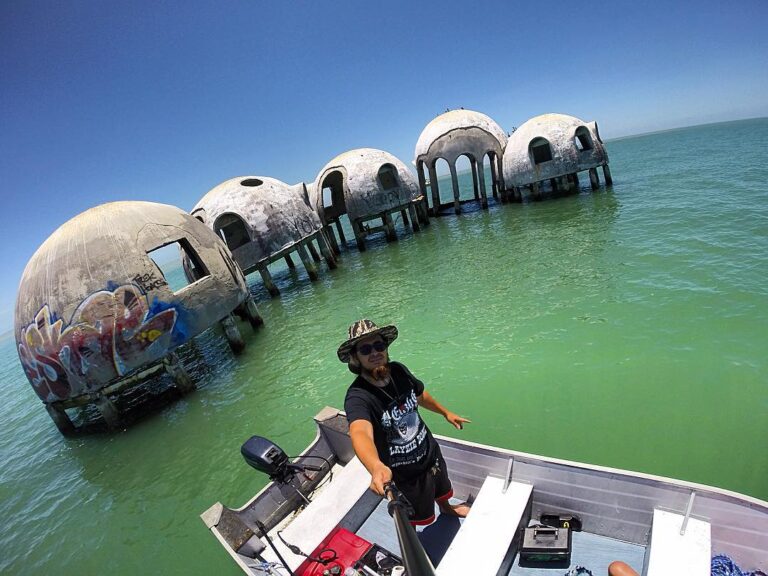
(443, 184)
(467, 176)
(333, 195)
(388, 179)
(232, 229)
(583, 139)
(540, 151)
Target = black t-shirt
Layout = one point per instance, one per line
(403, 441)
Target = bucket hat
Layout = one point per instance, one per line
(360, 330)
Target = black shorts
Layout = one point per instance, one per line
(423, 491)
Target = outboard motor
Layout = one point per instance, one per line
(267, 457)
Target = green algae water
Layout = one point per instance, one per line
(624, 327)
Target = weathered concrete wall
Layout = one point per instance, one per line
(275, 214)
(92, 306)
(560, 131)
(363, 193)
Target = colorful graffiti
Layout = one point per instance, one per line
(111, 333)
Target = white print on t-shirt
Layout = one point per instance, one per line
(406, 433)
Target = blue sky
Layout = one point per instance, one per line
(161, 101)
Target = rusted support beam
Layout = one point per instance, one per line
(268, 283)
(359, 236)
(289, 261)
(404, 215)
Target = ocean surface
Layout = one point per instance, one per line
(626, 327)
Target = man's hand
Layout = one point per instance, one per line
(381, 476)
(456, 420)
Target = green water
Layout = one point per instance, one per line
(624, 327)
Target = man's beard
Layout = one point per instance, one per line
(380, 372)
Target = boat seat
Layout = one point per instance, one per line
(484, 544)
(322, 515)
(671, 553)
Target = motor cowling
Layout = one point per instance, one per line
(266, 456)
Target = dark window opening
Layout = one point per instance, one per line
(253, 182)
(333, 194)
(388, 177)
(232, 229)
(583, 139)
(541, 151)
(179, 265)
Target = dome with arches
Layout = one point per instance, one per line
(257, 216)
(362, 183)
(550, 146)
(454, 134)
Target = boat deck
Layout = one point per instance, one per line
(589, 550)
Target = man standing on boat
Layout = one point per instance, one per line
(388, 435)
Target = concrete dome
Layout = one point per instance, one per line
(373, 181)
(437, 140)
(257, 216)
(93, 306)
(574, 145)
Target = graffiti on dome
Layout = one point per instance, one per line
(110, 334)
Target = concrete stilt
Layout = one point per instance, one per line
(554, 185)
(414, 217)
(340, 230)
(359, 237)
(326, 251)
(313, 251)
(435, 187)
(495, 181)
(593, 179)
(475, 184)
(455, 185)
(289, 261)
(308, 264)
(386, 219)
(267, 278)
(331, 239)
(575, 181)
(536, 191)
(232, 334)
(61, 419)
(483, 192)
(404, 215)
(176, 370)
(607, 175)
(252, 313)
(108, 411)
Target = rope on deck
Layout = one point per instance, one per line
(722, 565)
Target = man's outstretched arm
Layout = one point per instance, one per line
(361, 433)
(426, 400)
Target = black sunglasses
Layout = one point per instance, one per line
(366, 349)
